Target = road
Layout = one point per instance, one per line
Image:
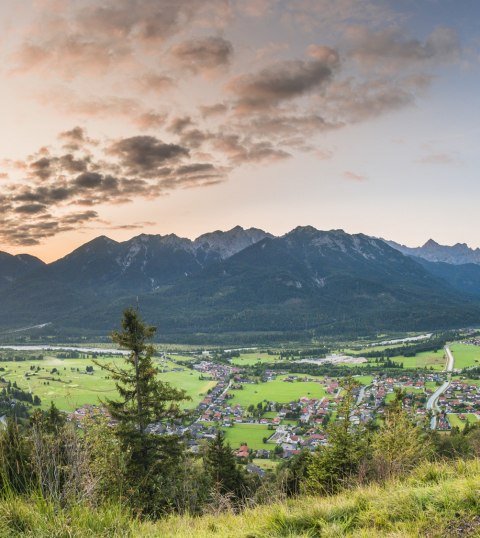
(432, 403)
(361, 394)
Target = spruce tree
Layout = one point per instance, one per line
(334, 466)
(143, 400)
(221, 467)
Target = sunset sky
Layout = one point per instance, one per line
(121, 117)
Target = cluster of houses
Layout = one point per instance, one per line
(300, 424)
(460, 398)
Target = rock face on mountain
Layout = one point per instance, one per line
(147, 262)
(457, 254)
(244, 281)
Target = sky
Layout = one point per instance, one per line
(121, 117)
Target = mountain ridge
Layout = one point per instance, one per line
(458, 254)
(246, 280)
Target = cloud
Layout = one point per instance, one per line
(203, 55)
(388, 50)
(351, 100)
(75, 139)
(437, 158)
(243, 150)
(55, 184)
(352, 176)
(81, 38)
(217, 109)
(155, 83)
(146, 154)
(283, 81)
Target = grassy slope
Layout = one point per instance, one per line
(437, 501)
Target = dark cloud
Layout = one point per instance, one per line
(75, 139)
(178, 125)
(32, 232)
(30, 208)
(203, 55)
(146, 154)
(284, 81)
(56, 185)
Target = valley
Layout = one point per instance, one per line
(274, 401)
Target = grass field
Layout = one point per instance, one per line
(456, 421)
(409, 390)
(364, 379)
(268, 465)
(249, 359)
(72, 387)
(426, 359)
(252, 434)
(465, 355)
(278, 391)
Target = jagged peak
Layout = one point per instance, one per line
(431, 243)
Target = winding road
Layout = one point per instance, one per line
(432, 402)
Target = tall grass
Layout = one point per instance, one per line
(437, 500)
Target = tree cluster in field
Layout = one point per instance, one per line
(20, 358)
(11, 392)
(155, 474)
(326, 369)
(472, 372)
(434, 344)
(14, 401)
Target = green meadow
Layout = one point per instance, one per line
(278, 390)
(455, 420)
(250, 359)
(426, 359)
(252, 434)
(465, 355)
(70, 386)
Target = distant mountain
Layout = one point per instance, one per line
(226, 244)
(147, 262)
(464, 278)
(307, 279)
(245, 281)
(457, 254)
(14, 267)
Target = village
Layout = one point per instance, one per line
(301, 424)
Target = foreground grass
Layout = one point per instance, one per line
(438, 500)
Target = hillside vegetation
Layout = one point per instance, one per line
(437, 500)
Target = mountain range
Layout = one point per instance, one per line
(457, 254)
(242, 281)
